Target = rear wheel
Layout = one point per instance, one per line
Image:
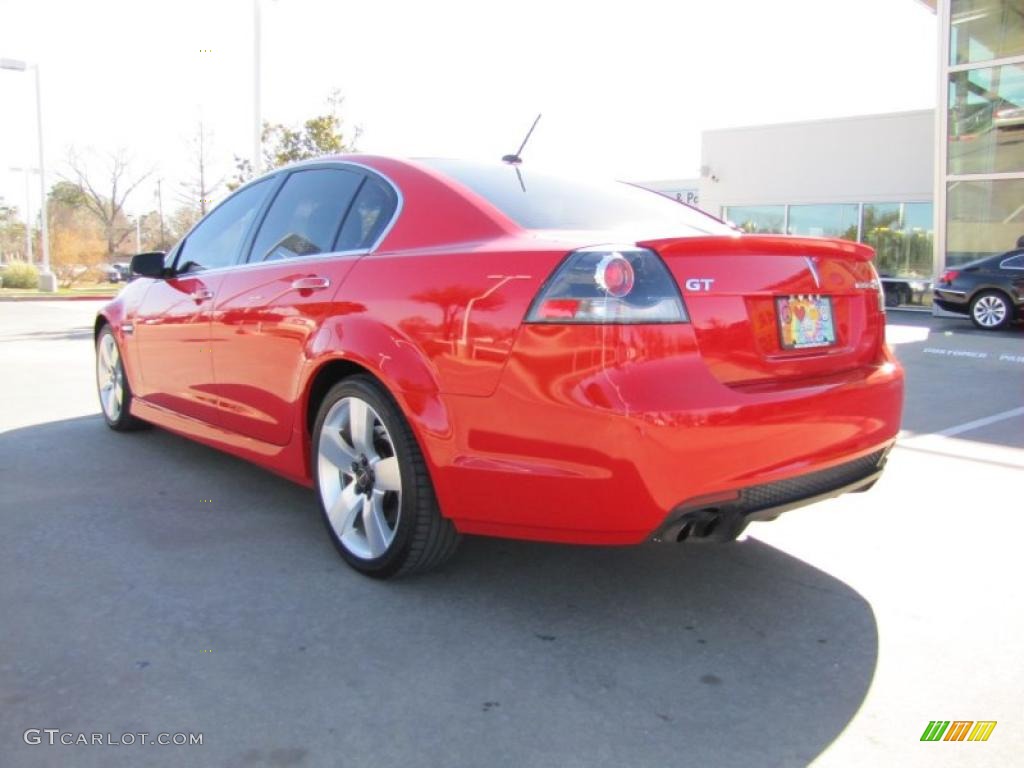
(991, 310)
(112, 384)
(375, 493)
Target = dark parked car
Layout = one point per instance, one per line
(124, 271)
(900, 291)
(989, 290)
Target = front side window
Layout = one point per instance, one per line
(216, 240)
(305, 216)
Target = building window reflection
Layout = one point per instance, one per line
(982, 180)
(982, 30)
(901, 233)
(986, 120)
(838, 220)
(764, 219)
(983, 218)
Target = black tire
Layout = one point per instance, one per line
(121, 418)
(995, 301)
(422, 538)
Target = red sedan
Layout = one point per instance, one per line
(443, 347)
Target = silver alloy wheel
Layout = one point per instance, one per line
(989, 311)
(359, 478)
(110, 377)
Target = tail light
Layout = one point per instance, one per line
(879, 288)
(609, 284)
(949, 276)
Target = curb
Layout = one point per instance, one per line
(102, 297)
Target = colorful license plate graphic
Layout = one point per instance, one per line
(805, 321)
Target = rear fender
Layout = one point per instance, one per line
(396, 362)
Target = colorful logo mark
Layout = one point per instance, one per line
(958, 730)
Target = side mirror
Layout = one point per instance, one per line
(149, 264)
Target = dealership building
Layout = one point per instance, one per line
(927, 189)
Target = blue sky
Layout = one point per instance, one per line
(625, 88)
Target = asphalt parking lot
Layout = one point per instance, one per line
(148, 584)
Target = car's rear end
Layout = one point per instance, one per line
(679, 387)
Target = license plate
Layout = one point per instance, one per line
(805, 321)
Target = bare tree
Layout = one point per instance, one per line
(199, 189)
(107, 207)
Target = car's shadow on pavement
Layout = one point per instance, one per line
(64, 334)
(151, 584)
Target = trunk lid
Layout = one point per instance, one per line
(732, 286)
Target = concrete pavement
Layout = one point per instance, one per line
(131, 603)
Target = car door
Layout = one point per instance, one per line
(267, 311)
(1012, 276)
(172, 324)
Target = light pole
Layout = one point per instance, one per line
(47, 280)
(160, 210)
(257, 131)
(28, 210)
(138, 232)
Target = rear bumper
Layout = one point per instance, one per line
(951, 301)
(724, 517)
(602, 446)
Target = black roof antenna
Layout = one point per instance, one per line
(516, 159)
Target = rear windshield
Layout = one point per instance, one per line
(540, 201)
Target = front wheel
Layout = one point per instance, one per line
(991, 310)
(112, 385)
(375, 493)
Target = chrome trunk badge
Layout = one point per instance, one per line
(814, 270)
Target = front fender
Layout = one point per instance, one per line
(113, 314)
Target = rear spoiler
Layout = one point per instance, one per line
(761, 245)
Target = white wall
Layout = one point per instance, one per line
(873, 158)
(685, 190)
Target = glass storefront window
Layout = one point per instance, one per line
(983, 218)
(757, 218)
(824, 220)
(986, 120)
(902, 236)
(983, 30)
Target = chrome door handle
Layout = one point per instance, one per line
(311, 283)
(201, 295)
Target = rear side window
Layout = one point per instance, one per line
(1014, 262)
(305, 216)
(216, 240)
(371, 212)
(539, 201)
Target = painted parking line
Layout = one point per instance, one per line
(967, 426)
(947, 443)
(1002, 357)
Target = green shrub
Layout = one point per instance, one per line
(20, 274)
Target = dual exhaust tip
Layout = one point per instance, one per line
(705, 524)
